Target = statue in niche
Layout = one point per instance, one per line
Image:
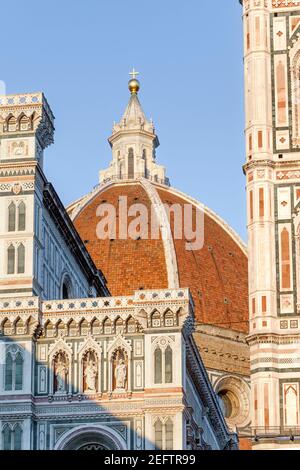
(90, 373)
(61, 371)
(121, 375)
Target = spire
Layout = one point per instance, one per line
(134, 142)
(134, 117)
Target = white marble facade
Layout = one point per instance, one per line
(78, 368)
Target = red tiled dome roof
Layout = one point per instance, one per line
(216, 274)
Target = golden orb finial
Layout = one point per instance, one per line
(133, 84)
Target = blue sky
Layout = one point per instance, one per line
(189, 55)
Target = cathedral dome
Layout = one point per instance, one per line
(215, 274)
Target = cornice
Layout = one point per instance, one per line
(259, 163)
(273, 338)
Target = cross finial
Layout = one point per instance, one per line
(134, 73)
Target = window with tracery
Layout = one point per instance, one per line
(13, 370)
(163, 434)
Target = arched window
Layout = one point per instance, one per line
(163, 362)
(11, 254)
(14, 371)
(168, 365)
(7, 437)
(66, 288)
(12, 438)
(158, 428)
(144, 154)
(12, 217)
(9, 372)
(21, 259)
(130, 164)
(65, 292)
(19, 372)
(169, 435)
(21, 217)
(158, 366)
(17, 445)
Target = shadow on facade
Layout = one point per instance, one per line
(120, 373)
(67, 406)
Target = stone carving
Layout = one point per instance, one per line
(60, 372)
(17, 188)
(90, 373)
(121, 375)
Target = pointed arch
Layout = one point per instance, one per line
(66, 287)
(23, 122)
(7, 327)
(72, 328)
(60, 328)
(11, 259)
(20, 327)
(21, 217)
(158, 365)
(21, 259)
(169, 318)
(130, 325)
(19, 371)
(118, 326)
(89, 357)
(130, 164)
(168, 365)
(156, 319)
(13, 375)
(84, 327)
(49, 329)
(119, 349)
(31, 325)
(169, 434)
(7, 437)
(95, 327)
(11, 124)
(107, 327)
(158, 431)
(17, 437)
(8, 372)
(12, 217)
